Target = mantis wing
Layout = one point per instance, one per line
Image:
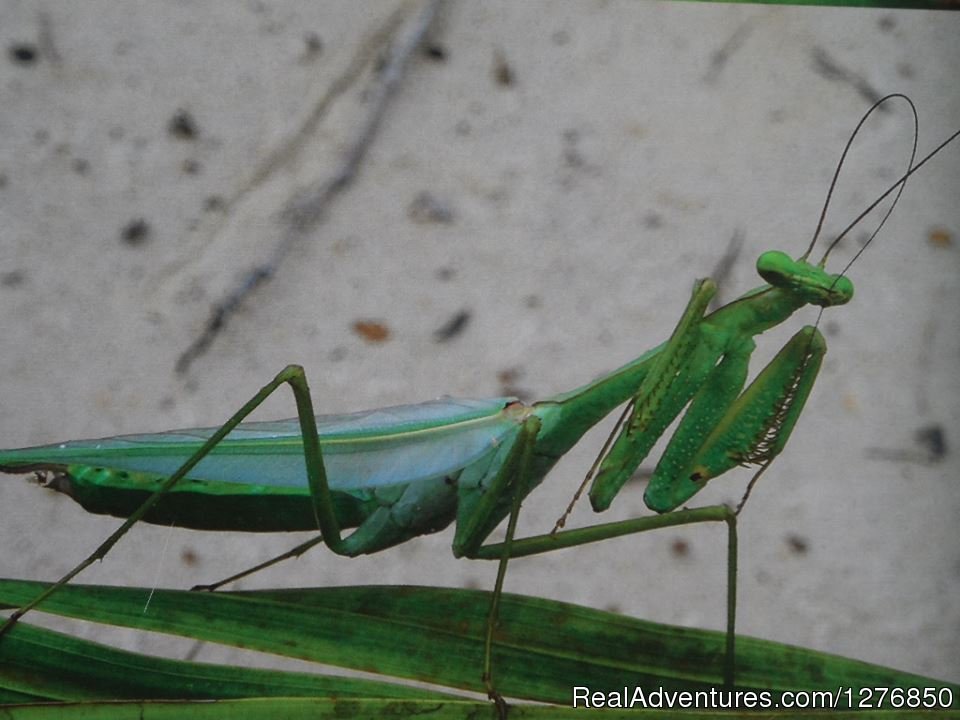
(368, 449)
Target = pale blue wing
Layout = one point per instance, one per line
(365, 449)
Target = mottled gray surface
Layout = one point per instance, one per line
(583, 198)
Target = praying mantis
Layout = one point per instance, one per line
(410, 470)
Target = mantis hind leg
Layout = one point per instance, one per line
(293, 552)
(293, 376)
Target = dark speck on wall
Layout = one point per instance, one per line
(136, 232)
(435, 51)
(503, 74)
(12, 278)
(798, 545)
(313, 44)
(182, 126)
(23, 53)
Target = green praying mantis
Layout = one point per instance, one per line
(397, 473)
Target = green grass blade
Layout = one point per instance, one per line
(573, 641)
(542, 648)
(38, 664)
(335, 709)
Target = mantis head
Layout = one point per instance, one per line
(813, 284)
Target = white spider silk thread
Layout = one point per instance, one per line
(156, 577)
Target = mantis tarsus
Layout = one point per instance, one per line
(401, 472)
